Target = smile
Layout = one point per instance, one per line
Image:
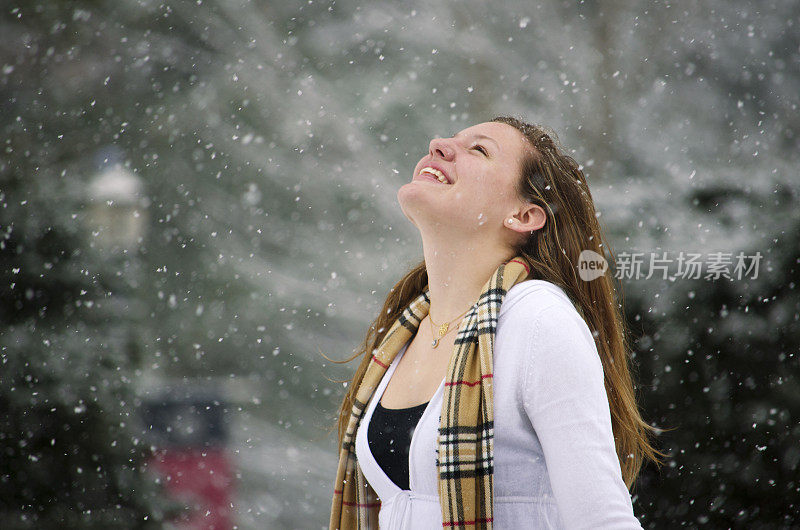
(433, 174)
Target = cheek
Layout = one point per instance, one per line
(481, 207)
(494, 187)
(505, 188)
(485, 194)
(506, 195)
(498, 201)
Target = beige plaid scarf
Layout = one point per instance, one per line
(466, 429)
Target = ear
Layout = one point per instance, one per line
(531, 217)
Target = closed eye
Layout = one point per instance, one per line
(481, 149)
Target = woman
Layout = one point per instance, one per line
(494, 387)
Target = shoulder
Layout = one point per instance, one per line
(543, 315)
(530, 298)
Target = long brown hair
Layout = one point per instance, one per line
(553, 180)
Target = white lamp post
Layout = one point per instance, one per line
(117, 216)
(117, 209)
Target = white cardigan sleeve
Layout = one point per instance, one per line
(565, 399)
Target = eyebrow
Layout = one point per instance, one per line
(483, 136)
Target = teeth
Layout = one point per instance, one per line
(435, 172)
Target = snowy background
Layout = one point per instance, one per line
(198, 198)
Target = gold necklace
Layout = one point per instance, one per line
(443, 328)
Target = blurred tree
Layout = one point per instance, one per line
(72, 451)
(719, 364)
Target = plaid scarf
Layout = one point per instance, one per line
(466, 428)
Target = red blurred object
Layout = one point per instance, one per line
(203, 479)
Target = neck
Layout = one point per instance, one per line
(457, 272)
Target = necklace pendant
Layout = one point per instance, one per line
(435, 342)
(443, 328)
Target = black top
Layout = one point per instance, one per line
(389, 437)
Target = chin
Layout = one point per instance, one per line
(409, 192)
(416, 203)
(413, 193)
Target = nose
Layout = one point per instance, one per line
(440, 147)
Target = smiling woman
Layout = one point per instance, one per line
(494, 385)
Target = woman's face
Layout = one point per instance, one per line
(481, 164)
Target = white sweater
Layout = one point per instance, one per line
(555, 465)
